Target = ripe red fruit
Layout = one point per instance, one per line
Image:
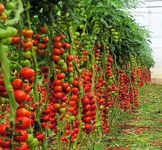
(20, 96)
(2, 8)
(21, 135)
(27, 73)
(17, 84)
(43, 29)
(60, 76)
(23, 122)
(23, 112)
(15, 39)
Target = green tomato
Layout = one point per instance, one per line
(13, 66)
(71, 119)
(71, 74)
(62, 110)
(7, 41)
(27, 54)
(34, 143)
(64, 55)
(3, 34)
(71, 79)
(30, 138)
(63, 67)
(25, 63)
(10, 6)
(61, 62)
(11, 31)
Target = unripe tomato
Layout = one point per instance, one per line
(27, 33)
(10, 5)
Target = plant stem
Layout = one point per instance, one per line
(6, 71)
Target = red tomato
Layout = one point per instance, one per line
(23, 112)
(57, 88)
(23, 122)
(60, 76)
(74, 98)
(27, 73)
(20, 96)
(3, 129)
(57, 38)
(17, 84)
(5, 143)
(21, 135)
(57, 82)
(2, 8)
(21, 146)
(70, 58)
(55, 58)
(56, 51)
(43, 29)
(15, 40)
(40, 136)
(66, 46)
(57, 45)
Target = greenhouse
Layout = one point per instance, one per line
(80, 75)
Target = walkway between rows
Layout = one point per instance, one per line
(143, 130)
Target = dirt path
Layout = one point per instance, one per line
(143, 131)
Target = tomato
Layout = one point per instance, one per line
(62, 110)
(66, 46)
(26, 87)
(25, 63)
(21, 146)
(27, 33)
(27, 73)
(17, 84)
(23, 122)
(55, 58)
(60, 76)
(34, 143)
(7, 41)
(56, 51)
(45, 39)
(21, 135)
(71, 79)
(58, 88)
(74, 98)
(4, 128)
(43, 29)
(27, 55)
(59, 95)
(2, 8)
(60, 62)
(30, 138)
(23, 112)
(57, 38)
(71, 119)
(20, 96)
(5, 143)
(10, 5)
(70, 58)
(57, 45)
(40, 136)
(3, 34)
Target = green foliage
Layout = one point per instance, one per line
(98, 17)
